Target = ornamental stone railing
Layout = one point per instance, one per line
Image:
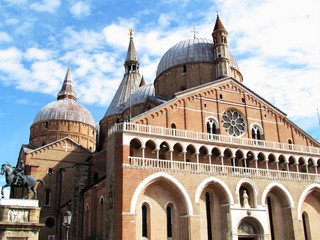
(214, 138)
(223, 170)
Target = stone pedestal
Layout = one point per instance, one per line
(19, 219)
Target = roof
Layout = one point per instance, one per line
(65, 109)
(218, 25)
(67, 89)
(194, 50)
(130, 82)
(140, 96)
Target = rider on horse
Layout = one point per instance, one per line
(19, 173)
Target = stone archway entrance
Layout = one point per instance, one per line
(250, 229)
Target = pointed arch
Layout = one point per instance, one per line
(167, 177)
(280, 186)
(205, 182)
(303, 196)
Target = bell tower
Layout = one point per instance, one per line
(220, 49)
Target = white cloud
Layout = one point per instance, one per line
(42, 76)
(80, 9)
(46, 6)
(5, 37)
(38, 54)
(164, 20)
(12, 71)
(82, 40)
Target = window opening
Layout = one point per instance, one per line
(211, 127)
(184, 70)
(270, 218)
(169, 222)
(306, 227)
(234, 123)
(47, 197)
(95, 177)
(144, 221)
(256, 133)
(208, 212)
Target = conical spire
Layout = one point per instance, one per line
(131, 63)
(130, 82)
(67, 89)
(131, 54)
(218, 25)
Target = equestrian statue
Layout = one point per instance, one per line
(15, 177)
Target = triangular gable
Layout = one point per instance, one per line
(27, 149)
(233, 85)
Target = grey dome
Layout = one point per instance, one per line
(141, 95)
(190, 51)
(65, 109)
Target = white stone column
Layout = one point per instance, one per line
(209, 158)
(143, 151)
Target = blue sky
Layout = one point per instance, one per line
(276, 45)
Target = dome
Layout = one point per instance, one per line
(190, 51)
(65, 109)
(141, 95)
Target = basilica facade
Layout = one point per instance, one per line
(194, 155)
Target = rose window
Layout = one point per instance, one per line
(233, 123)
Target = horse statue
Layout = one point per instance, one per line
(13, 180)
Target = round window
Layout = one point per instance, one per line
(233, 122)
(50, 222)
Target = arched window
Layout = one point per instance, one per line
(256, 132)
(101, 200)
(270, 218)
(184, 70)
(212, 126)
(174, 127)
(47, 198)
(169, 221)
(306, 226)
(144, 213)
(208, 213)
